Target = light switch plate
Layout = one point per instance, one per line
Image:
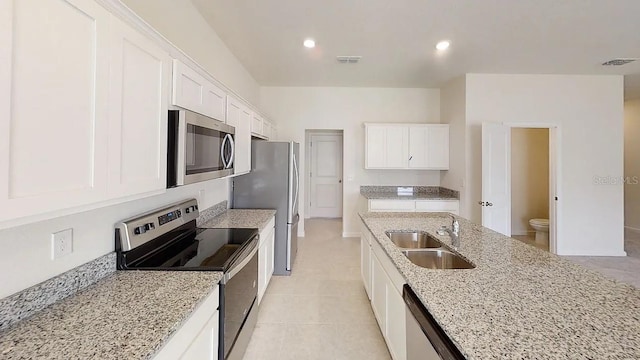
(61, 243)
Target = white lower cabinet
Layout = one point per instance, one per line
(265, 258)
(385, 205)
(365, 260)
(385, 289)
(197, 338)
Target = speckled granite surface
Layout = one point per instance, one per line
(241, 218)
(519, 302)
(29, 301)
(128, 315)
(210, 213)
(419, 193)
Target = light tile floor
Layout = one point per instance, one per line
(321, 311)
(624, 269)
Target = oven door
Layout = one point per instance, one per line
(239, 307)
(203, 148)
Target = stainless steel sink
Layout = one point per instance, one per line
(413, 240)
(437, 259)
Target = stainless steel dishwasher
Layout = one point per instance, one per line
(425, 339)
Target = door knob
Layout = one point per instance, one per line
(340, 181)
(489, 204)
(481, 203)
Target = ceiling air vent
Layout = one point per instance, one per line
(618, 62)
(348, 59)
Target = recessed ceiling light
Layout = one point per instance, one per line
(309, 43)
(443, 45)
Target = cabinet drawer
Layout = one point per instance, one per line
(392, 205)
(439, 205)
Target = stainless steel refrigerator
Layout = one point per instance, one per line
(274, 183)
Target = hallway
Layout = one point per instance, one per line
(321, 311)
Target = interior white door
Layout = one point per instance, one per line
(496, 177)
(326, 176)
(554, 151)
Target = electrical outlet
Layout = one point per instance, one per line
(61, 243)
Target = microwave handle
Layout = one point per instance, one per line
(227, 162)
(232, 143)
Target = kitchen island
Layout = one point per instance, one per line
(518, 302)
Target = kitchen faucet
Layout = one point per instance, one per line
(454, 232)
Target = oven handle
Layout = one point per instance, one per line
(238, 267)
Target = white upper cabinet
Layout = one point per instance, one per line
(257, 123)
(54, 76)
(266, 130)
(386, 146)
(239, 116)
(429, 147)
(407, 146)
(138, 109)
(194, 92)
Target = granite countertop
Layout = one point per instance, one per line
(519, 302)
(127, 315)
(419, 193)
(415, 196)
(241, 218)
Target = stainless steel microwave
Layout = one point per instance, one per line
(199, 148)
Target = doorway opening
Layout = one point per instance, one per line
(520, 177)
(323, 175)
(530, 186)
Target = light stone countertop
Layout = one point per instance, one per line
(519, 302)
(127, 315)
(241, 218)
(385, 195)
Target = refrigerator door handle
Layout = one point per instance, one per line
(297, 191)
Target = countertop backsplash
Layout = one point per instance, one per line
(25, 303)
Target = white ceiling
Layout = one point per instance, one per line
(396, 39)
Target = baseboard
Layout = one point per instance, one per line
(347, 234)
(632, 228)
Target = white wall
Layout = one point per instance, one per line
(26, 256)
(529, 178)
(453, 112)
(181, 23)
(589, 112)
(632, 163)
(300, 108)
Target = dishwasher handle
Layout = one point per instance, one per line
(445, 348)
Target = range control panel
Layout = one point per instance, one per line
(143, 228)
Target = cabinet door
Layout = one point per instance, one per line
(418, 146)
(379, 293)
(376, 140)
(256, 124)
(194, 92)
(262, 270)
(397, 147)
(429, 146)
(396, 324)
(54, 76)
(205, 345)
(365, 262)
(138, 108)
(239, 117)
(438, 147)
(387, 146)
(270, 255)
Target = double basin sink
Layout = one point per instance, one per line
(426, 251)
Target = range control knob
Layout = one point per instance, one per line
(140, 230)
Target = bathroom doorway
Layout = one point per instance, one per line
(530, 186)
(496, 200)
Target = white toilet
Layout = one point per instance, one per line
(541, 226)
